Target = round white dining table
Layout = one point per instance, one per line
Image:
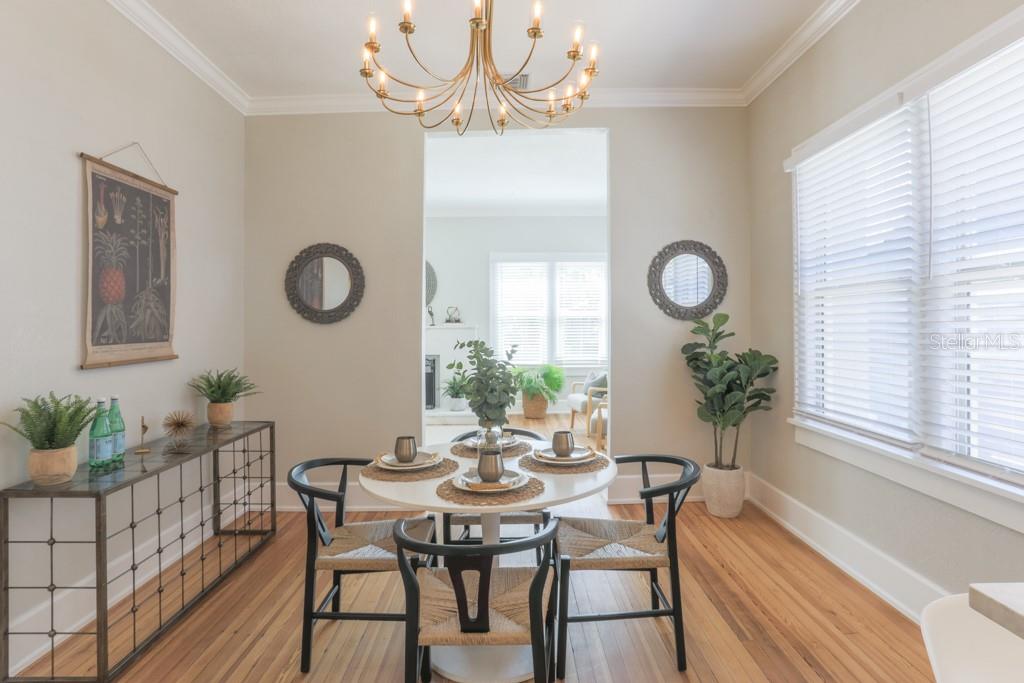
(497, 664)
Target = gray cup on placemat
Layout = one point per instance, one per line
(405, 449)
(562, 443)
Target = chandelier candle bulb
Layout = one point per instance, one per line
(577, 39)
(503, 116)
(457, 114)
(419, 103)
(382, 89)
(535, 31)
(372, 45)
(569, 94)
(366, 71)
(477, 9)
(551, 103)
(406, 26)
(591, 69)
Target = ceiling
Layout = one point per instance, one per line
(461, 178)
(272, 56)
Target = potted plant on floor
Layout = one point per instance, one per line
(222, 388)
(491, 388)
(455, 389)
(52, 426)
(540, 387)
(729, 391)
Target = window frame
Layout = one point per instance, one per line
(552, 259)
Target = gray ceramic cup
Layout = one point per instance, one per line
(562, 443)
(405, 449)
(490, 467)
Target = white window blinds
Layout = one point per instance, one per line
(520, 310)
(910, 273)
(973, 304)
(554, 307)
(857, 263)
(580, 308)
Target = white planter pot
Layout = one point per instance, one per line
(723, 490)
(460, 404)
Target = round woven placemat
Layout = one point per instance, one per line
(447, 490)
(446, 466)
(528, 462)
(521, 448)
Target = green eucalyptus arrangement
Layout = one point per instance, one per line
(456, 385)
(491, 382)
(728, 383)
(546, 381)
(223, 386)
(51, 423)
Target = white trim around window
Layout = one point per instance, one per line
(993, 499)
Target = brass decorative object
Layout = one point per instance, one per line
(177, 425)
(142, 450)
(512, 101)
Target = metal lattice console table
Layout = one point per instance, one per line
(98, 568)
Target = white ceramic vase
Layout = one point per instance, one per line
(460, 405)
(724, 490)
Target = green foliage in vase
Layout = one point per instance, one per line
(727, 383)
(492, 384)
(49, 422)
(456, 385)
(223, 386)
(546, 381)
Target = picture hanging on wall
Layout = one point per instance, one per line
(131, 267)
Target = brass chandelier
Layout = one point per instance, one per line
(444, 99)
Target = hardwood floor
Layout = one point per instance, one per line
(759, 605)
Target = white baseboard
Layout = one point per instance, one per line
(894, 582)
(625, 488)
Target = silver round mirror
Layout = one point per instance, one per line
(324, 283)
(687, 280)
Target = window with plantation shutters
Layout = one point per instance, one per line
(521, 310)
(973, 300)
(554, 307)
(909, 292)
(857, 270)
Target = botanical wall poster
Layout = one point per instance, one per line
(131, 273)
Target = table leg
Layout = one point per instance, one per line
(498, 664)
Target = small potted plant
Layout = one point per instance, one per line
(222, 388)
(729, 393)
(491, 388)
(455, 389)
(52, 426)
(540, 386)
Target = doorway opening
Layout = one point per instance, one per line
(516, 255)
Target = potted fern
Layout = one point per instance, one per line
(540, 387)
(222, 388)
(52, 425)
(455, 389)
(729, 392)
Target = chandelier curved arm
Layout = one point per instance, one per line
(416, 58)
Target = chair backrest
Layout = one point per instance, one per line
(298, 480)
(459, 559)
(676, 491)
(517, 431)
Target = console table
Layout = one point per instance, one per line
(98, 568)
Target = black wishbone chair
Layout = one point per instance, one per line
(471, 602)
(624, 545)
(537, 518)
(357, 548)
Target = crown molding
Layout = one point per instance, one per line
(153, 24)
(803, 39)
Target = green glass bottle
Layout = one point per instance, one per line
(116, 431)
(100, 440)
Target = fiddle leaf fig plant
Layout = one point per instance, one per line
(728, 384)
(491, 382)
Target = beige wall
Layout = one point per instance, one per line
(356, 179)
(878, 44)
(78, 77)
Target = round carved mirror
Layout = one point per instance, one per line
(324, 283)
(687, 280)
(431, 283)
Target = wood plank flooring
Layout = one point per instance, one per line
(759, 605)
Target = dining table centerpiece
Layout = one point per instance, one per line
(491, 387)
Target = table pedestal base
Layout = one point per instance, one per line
(493, 664)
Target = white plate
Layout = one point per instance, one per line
(515, 479)
(579, 456)
(424, 459)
